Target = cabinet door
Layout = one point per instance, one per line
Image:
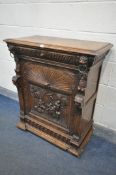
(48, 92)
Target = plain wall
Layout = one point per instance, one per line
(84, 19)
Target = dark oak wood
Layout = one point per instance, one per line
(57, 81)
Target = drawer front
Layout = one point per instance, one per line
(48, 92)
(54, 78)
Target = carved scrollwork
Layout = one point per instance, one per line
(48, 102)
(83, 59)
(13, 54)
(82, 83)
(61, 57)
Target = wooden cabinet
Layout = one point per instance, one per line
(57, 81)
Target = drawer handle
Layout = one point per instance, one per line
(47, 85)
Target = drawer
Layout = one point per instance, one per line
(51, 77)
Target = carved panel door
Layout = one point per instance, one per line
(48, 92)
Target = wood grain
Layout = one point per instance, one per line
(57, 81)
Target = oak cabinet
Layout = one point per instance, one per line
(57, 81)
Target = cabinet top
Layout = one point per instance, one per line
(63, 44)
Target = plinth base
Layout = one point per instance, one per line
(75, 148)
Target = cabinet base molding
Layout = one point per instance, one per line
(53, 138)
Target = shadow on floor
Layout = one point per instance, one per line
(22, 153)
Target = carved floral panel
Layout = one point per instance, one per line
(49, 104)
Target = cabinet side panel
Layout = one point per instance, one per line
(92, 80)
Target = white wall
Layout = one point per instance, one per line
(82, 19)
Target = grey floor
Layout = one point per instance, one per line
(22, 153)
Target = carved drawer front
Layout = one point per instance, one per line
(48, 92)
(50, 77)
